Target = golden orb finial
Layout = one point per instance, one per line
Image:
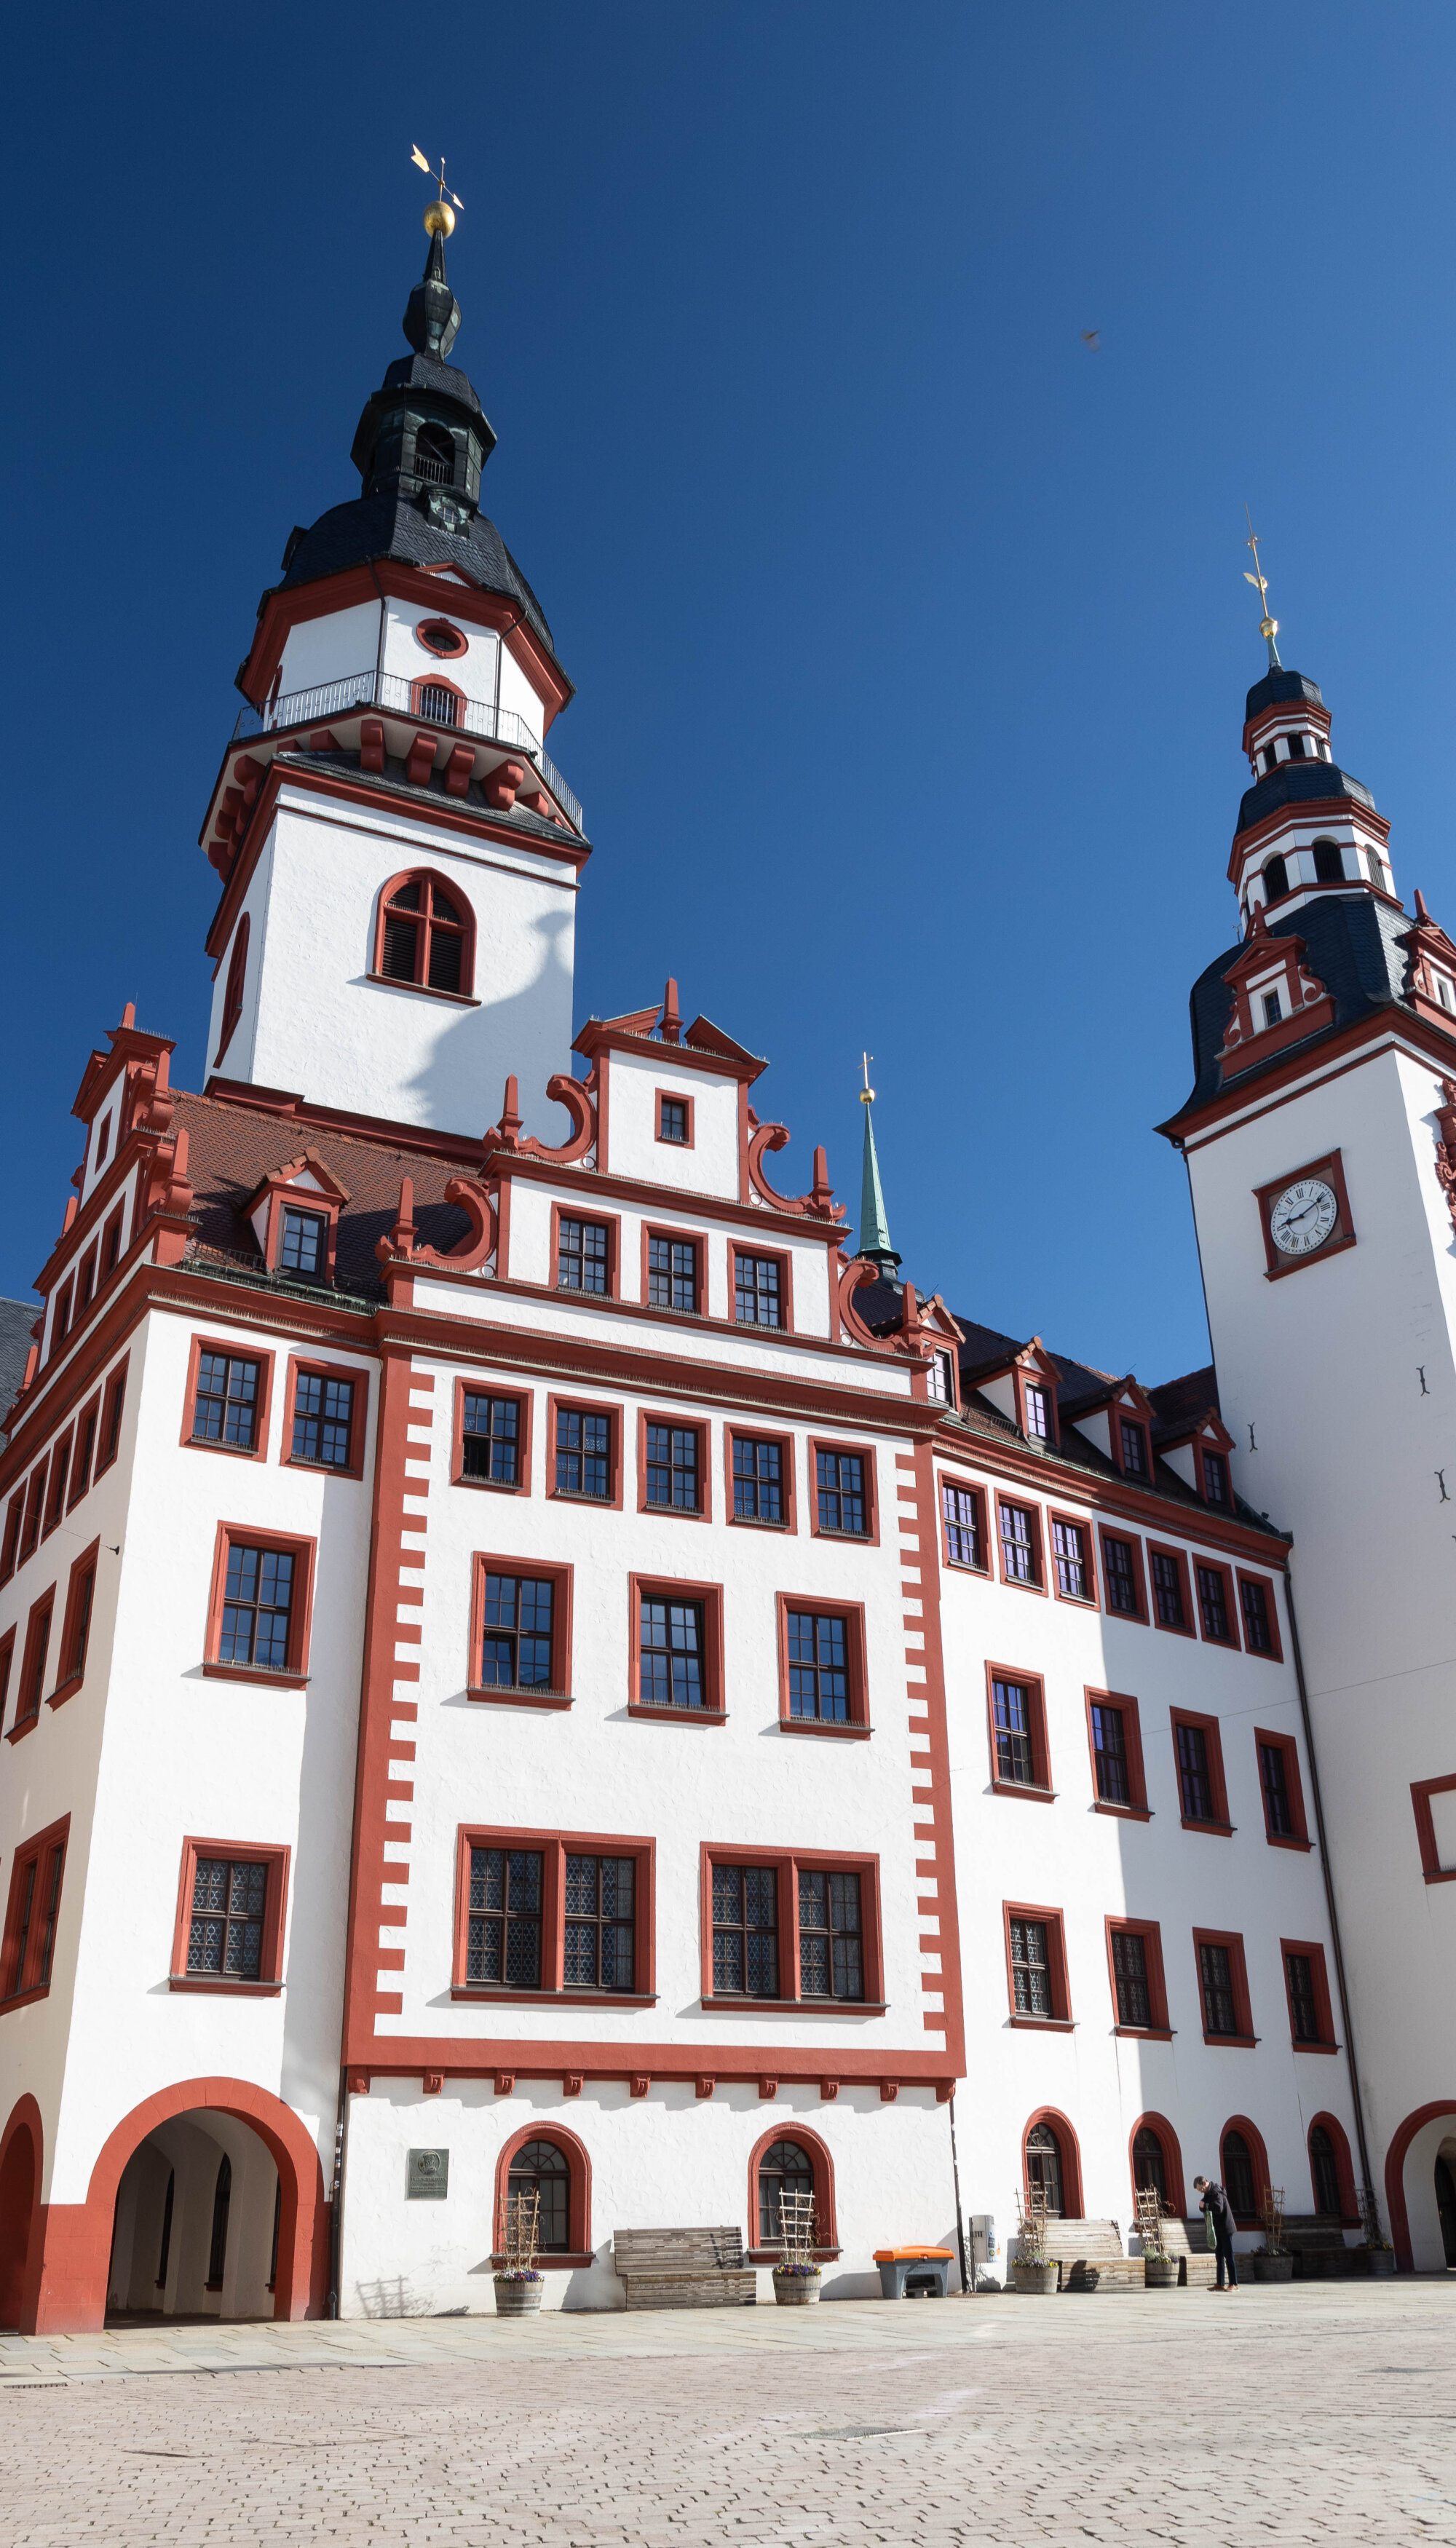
(439, 219)
(867, 1093)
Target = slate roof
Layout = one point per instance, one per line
(1276, 690)
(1182, 1401)
(1351, 943)
(392, 527)
(1293, 783)
(17, 1317)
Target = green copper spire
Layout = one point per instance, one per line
(875, 1227)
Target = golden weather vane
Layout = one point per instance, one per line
(867, 1093)
(1268, 628)
(439, 217)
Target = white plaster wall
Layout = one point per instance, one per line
(710, 1166)
(1325, 1364)
(237, 1062)
(96, 1163)
(516, 693)
(332, 647)
(386, 1049)
(670, 2159)
(474, 672)
(1067, 1857)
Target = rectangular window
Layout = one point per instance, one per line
(1017, 1740)
(303, 1244)
(230, 1901)
(1272, 1010)
(1119, 1577)
(32, 1664)
(1212, 1605)
(516, 1632)
(672, 1466)
(582, 1256)
(831, 1941)
(110, 1239)
(1109, 1755)
(490, 1440)
(76, 1629)
(85, 1451)
(671, 1273)
(1304, 2011)
(943, 1379)
(1216, 1975)
(10, 1552)
(756, 1291)
(838, 1480)
(224, 1408)
(1194, 1782)
(964, 1509)
(257, 1608)
(745, 1932)
(583, 1454)
(1130, 1974)
(600, 1919)
(818, 1666)
(1039, 1412)
(671, 1654)
(758, 1480)
(1280, 1789)
(322, 1420)
(55, 1489)
(1070, 1555)
(61, 1323)
(1215, 1479)
(504, 1933)
(34, 1911)
(1031, 1977)
(672, 1124)
(1167, 1590)
(1020, 1556)
(1135, 1462)
(1260, 1619)
(34, 1499)
(111, 1417)
(7, 1665)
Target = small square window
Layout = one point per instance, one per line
(582, 1256)
(672, 1121)
(672, 1274)
(304, 1245)
(757, 1294)
(490, 1440)
(1273, 1012)
(322, 1420)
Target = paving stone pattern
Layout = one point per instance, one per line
(1320, 2416)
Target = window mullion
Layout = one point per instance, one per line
(788, 1930)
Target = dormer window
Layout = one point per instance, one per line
(1215, 1478)
(1133, 1442)
(424, 935)
(673, 1121)
(1329, 866)
(434, 455)
(1444, 992)
(943, 1379)
(1271, 1008)
(304, 1246)
(1276, 879)
(1039, 1412)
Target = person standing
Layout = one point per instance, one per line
(1214, 2203)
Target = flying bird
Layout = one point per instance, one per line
(1092, 336)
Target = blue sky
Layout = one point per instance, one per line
(909, 631)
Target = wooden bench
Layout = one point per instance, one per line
(1188, 2240)
(1091, 2256)
(684, 2269)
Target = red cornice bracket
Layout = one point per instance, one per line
(702, 2087)
(371, 745)
(498, 785)
(460, 769)
(420, 763)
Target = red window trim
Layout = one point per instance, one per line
(15, 1514)
(112, 1408)
(1220, 1828)
(305, 1554)
(1157, 2031)
(280, 1194)
(309, 1364)
(116, 1220)
(1331, 1170)
(1258, 2160)
(236, 1353)
(53, 1506)
(1179, 1556)
(672, 1588)
(536, 1570)
(679, 1097)
(232, 996)
(34, 1511)
(1062, 2021)
(1201, 1563)
(553, 1847)
(1299, 1838)
(36, 1656)
(859, 1727)
(7, 1665)
(429, 876)
(525, 1399)
(1167, 2139)
(966, 1486)
(570, 1402)
(1015, 1583)
(788, 1481)
(611, 1223)
(863, 1452)
(1422, 1792)
(1042, 1792)
(277, 1858)
(1233, 1938)
(1323, 2012)
(1138, 1810)
(72, 1672)
(1209, 1444)
(60, 1318)
(679, 1423)
(1117, 1417)
(1023, 1380)
(788, 1861)
(432, 681)
(81, 1470)
(783, 1260)
(1087, 1600)
(37, 1852)
(1246, 1574)
(1071, 2158)
(578, 2195)
(694, 1239)
(821, 2160)
(1349, 2200)
(441, 654)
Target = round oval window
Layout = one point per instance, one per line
(440, 637)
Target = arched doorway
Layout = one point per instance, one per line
(194, 2227)
(1446, 2179)
(19, 2186)
(1416, 2216)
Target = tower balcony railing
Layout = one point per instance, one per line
(425, 702)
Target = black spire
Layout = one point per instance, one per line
(432, 313)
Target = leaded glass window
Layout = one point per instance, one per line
(785, 2168)
(1129, 1972)
(229, 1897)
(226, 1408)
(490, 1440)
(516, 1646)
(600, 1896)
(758, 1480)
(1167, 1587)
(1194, 1782)
(818, 1667)
(322, 1419)
(756, 1291)
(540, 2168)
(1031, 1974)
(672, 1466)
(582, 1258)
(671, 1650)
(1216, 1971)
(831, 1948)
(583, 1454)
(1044, 2165)
(746, 1931)
(840, 1481)
(1212, 1604)
(257, 1608)
(671, 1273)
(503, 1936)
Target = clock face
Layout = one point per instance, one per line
(1303, 1216)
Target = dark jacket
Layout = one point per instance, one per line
(1215, 2200)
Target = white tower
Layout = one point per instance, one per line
(1315, 1137)
(398, 854)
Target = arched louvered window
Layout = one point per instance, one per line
(425, 934)
(1329, 865)
(434, 455)
(222, 2202)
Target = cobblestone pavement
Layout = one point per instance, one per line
(1319, 2415)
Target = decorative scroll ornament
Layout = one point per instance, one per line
(818, 1203)
(1447, 1145)
(578, 1096)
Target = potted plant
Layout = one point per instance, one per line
(797, 2280)
(1033, 2270)
(1160, 2270)
(518, 2286)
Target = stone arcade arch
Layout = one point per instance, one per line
(21, 2148)
(1411, 2205)
(71, 2247)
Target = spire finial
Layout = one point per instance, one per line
(1268, 628)
(875, 1227)
(439, 218)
